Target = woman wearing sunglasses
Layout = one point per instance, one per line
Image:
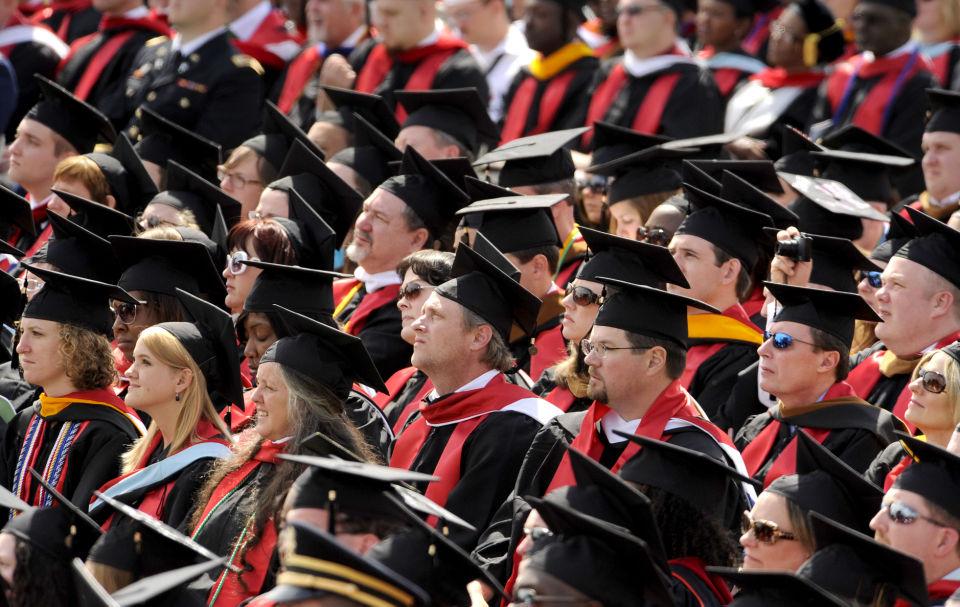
(258, 240)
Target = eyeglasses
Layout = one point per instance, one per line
(932, 382)
(782, 341)
(596, 183)
(411, 290)
(582, 296)
(238, 180)
(767, 532)
(635, 10)
(126, 312)
(235, 263)
(537, 533)
(32, 284)
(588, 348)
(653, 235)
(902, 514)
(873, 278)
(529, 597)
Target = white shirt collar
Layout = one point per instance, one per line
(947, 201)
(354, 38)
(474, 384)
(375, 282)
(246, 24)
(137, 13)
(37, 205)
(432, 38)
(639, 67)
(953, 576)
(612, 421)
(909, 47)
(186, 48)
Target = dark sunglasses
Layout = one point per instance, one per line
(782, 341)
(597, 183)
(411, 290)
(765, 531)
(872, 277)
(126, 312)
(932, 381)
(654, 235)
(902, 514)
(582, 296)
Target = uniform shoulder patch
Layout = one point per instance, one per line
(156, 40)
(247, 61)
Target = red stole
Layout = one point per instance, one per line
(412, 407)
(429, 59)
(715, 583)
(892, 73)
(648, 115)
(368, 305)
(342, 288)
(396, 383)
(551, 349)
(467, 410)
(755, 454)
(777, 77)
(942, 65)
(895, 472)
(515, 123)
(67, 7)
(732, 324)
(562, 398)
(41, 240)
(673, 402)
(299, 72)
(753, 304)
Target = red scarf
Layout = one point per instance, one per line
(370, 303)
(301, 69)
(777, 77)
(467, 410)
(715, 583)
(562, 398)
(755, 454)
(719, 334)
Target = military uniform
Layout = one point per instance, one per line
(212, 91)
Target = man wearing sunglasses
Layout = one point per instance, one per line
(920, 516)
(803, 363)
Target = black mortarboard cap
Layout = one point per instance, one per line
(647, 311)
(829, 208)
(216, 243)
(692, 174)
(129, 182)
(479, 283)
(781, 588)
(155, 586)
(834, 262)
(311, 236)
(588, 554)
(424, 188)
(823, 483)
(98, 218)
(457, 169)
(460, 113)
(372, 108)
(212, 343)
(162, 140)
(76, 301)
(535, 159)
(652, 170)
(946, 111)
(867, 175)
(852, 138)
(187, 190)
(900, 232)
(307, 291)
(277, 135)
(331, 197)
(761, 174)
(77, 251)
(832, 312)
(907, 6)
(934, 474)
(371, 155)
(323, 353)
(611, 141)
(478, 190)
(89, 591)
(81, 124)
(16, 211)
(629, 260)
(937, 247)
(162, 266)
(856, 567)
(795, 158)
(693, 476)
(144, 544)
(517, 222)
(13, 302)
(736, 230)
(740, 191)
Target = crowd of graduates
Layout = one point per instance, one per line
(477, 303)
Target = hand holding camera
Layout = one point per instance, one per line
(793, 262)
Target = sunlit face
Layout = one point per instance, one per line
(578, 319)
(158, 214)
(381, 235)
(39, 351)
(788, 371)
(399, 22)
(627, 217)
(70, 186)
(8, 560)
(33, 155)
(415, 291)
(126, 335)
(919, 538)
(242, 181)
(932, 413)
(783, 554)
(908, 293)
(271, 397)
(698, 262)
(273, 203)
(439, 336)
(239, 285)
(614, 377)
(941, 157)
(151, 383)
(638, 30)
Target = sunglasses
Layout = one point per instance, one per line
(872, 278)
(932, 382)
(411, 290)
(765, 531)
(597, 183)
(902, 514)
(582, 296)
(235, 263)
(125, 312)
(657, 236)
(782, 341)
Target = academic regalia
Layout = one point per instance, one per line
(69, 19)
(730, 69)
(213, 92)
(945, 58)
(828, 207)
(945, 118)
(548, 94)
(475, 438)
(31, 49)
(444, 64)
(405, 389)
(266, 34)
(762, 588)
(96, 69)
(19, 229)
(76, 440)
(81, 124)
(680, 100)
(461, 114)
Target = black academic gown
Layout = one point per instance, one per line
(380, 335)
(716, 376)
(885, 461)
(367, 417)
(29, 58)
(571, 111)
(743, 402)
(93, 459)
(214, 92)
(82, 23)
(794, 116)
(693, 109)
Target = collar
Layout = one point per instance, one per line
(546, 67)
(474, 384)
(909, 47)
(375, 282)
(186, 48)
(354, 38)
(246, 24)
(612, 421)
(140, 12)
(431, 39)
(639, 67)
(953, 576)
(948, 201)
(34, 205)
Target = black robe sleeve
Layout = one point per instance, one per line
(796, 115)
(695, 107)
(380, 335)
(743, 402)
(461, 70)
(94, 460)
(881, 465)
(716, 377)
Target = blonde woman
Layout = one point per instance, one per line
(937, 27)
